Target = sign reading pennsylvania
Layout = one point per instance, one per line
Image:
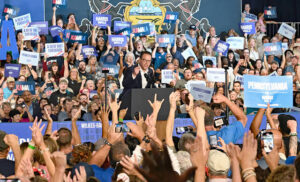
(259, 91)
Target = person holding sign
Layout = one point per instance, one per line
(10, 90)
(72, 25)
(140, 75)
(159, 55)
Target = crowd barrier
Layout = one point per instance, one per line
(92, 130)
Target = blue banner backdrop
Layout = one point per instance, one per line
(35, 7)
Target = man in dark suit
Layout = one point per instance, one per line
(140, 75)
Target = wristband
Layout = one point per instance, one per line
(44, 150)
(121, 120)
(146, 139)
(293, 134)
(31, 147)
(107, 143)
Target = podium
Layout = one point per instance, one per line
(136, 100)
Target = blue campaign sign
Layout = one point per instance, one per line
(101, 20)
(25, 86)
(248, 28)
(120, 25)
(55, 30)
(141, 29)
(222, 47)
(164, 39)
(12, 70)
(117, 40)
(67, 34)
(59, 3)
(42, 26)
(261, 90)
(79, 37)
(88, 51)
(8, 29)
(125, 31)
(113, 69)
(270, 12)
(171, 17)
(250, 17)
(10, 10)
(273, 48)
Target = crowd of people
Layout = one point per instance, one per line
(72, 88)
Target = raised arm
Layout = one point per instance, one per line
(104, 114)
(50, 123)
(54, 16)
(237, 112)
(190, 109)
(154, 50)
(269, 117)
(94, 43)
(99, 157)
(75, 133)
(283, 60)
(156, 105)
(201, 132)
(13, 142)
(173, 98)
(131, 47)
(114, 106)
(257, 122)
(66, 65)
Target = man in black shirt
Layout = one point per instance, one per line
(61, 92)
(7, 167)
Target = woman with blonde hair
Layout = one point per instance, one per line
(74, 81)
(92, 67)
(253, 49)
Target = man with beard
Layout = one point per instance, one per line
(61, 92)
(82, 73)
(83, 99)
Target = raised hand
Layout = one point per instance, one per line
(114, 105)
(156, 104)
(59, 159)
(190, 107)
(199, 154)
(114, 137)
(219, 98)
(37, 129)
(26, 168)
(129, 165)
(11, 140)
(247, 155)
(135, 131)
(122, 113)
(80, 176)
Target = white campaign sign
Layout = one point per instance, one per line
(166, 76)
(200, 92)
(30, 33)
(287, 31)
(55, 49)
(188, 52)
(235, 42)
(215, 74)
(21, 22)
(27, 57)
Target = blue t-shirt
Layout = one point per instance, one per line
(159, 59)
(191, 39)
(7, 93)
(230, 133)
(104, 175)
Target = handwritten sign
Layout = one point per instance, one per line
(166, 76)
(221, 47)
(30, 33)
(42, 27)
(235, 42)
(248, 28)
(215, 74)
(165, 39)
(12, 70)
(117, 40)
(27, 57)
(25, 86)
(171, 17)
(141, 29)
(55, 49)
(89, 51)
(120, 25)
(273, 48)
(287, 30)
(55, 30)
(21, 22)
(101, 20)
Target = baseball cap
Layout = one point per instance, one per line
(3, 145)
(209, 62)
(63, 80)
(193, 27)
(274, 62)
(10, 79)
(218, 162)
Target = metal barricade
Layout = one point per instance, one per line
(273, 28)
